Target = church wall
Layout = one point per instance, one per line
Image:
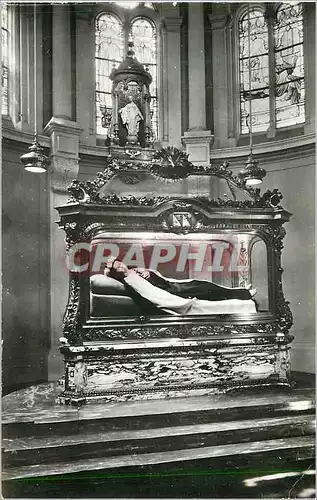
(293, 173)
(25, 265)
(296, 180)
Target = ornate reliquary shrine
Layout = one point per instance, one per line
(118, 347)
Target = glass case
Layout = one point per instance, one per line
(235, 262)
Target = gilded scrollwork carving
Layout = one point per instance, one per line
(71, 324)
(169, 164)
(75, 233)
(275, 235)
(180, 331)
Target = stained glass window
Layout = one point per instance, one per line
(276, 63)
(254, 63)
(109, 53)
(289, 65)
(5, 62)
(111, 36)
(143, 35)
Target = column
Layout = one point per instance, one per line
(85, 73)
(62, 86)
(64, 134)
(21, 68)
(197, 139)
(220, 81)
(196, 67)
(24, 65)
(171, 76)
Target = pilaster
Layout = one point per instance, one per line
(171, 75)
(62, 88)
(218, 22)
(22, 65)
(196, 67)
(24, 61)
(85, 81)
(197, 139)
(64, 136)
(198, 143)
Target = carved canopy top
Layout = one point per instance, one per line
(169, 165)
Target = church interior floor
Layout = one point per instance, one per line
(255, 443)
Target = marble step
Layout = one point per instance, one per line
(32, 450)
(141, 415)
(229, 455)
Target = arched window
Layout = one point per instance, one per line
(253, 51)
(5, 59)
(143, 35)
(111, 37)
(109, 53)
(289, 65)
(271, 43)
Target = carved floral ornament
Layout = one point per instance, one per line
(171, 165)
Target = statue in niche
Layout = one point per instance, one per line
(131, 117)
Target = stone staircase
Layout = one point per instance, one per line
(246, 434)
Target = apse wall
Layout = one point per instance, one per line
(296, 180)
(292, 171)
(25, 271)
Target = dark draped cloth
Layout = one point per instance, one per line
(204, 290)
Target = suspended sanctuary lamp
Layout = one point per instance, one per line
(35, 160)
(252, 174)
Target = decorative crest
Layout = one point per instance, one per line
(169, 165)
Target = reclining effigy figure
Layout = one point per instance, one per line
(150, 290)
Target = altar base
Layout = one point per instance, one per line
(173, 368)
